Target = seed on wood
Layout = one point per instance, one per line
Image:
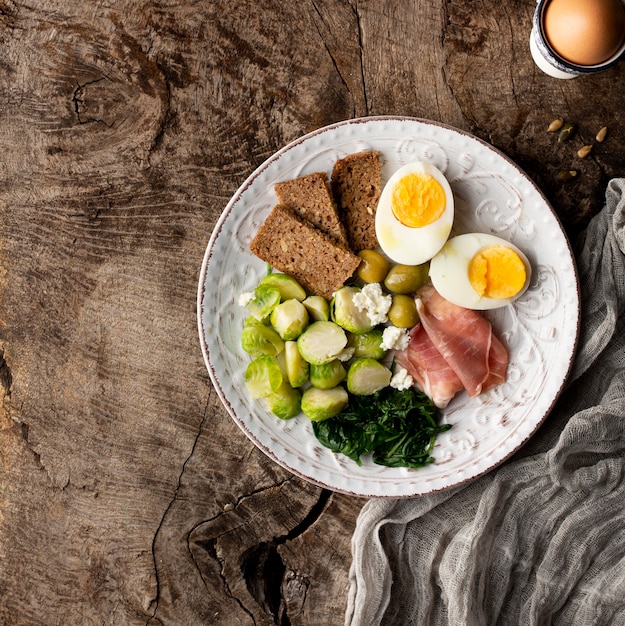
(584, 151)
(555, 125)
(567, 174)
(601, 134)
(566, 132)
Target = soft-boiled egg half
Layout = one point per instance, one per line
(415, 213)
(480, 271)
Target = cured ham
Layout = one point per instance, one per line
(452, 348)
(428, 368)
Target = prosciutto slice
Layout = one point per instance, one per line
(452, 348)
(428, 368)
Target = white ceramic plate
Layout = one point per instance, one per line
(492, 195)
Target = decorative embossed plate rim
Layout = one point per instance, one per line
(541, 329)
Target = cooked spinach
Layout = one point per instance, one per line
(398, 427)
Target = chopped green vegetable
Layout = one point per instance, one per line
(289, 319)
(265, 299)
(366, 376)
(318, 308)
(367, 345)
(327, 375)
(398, 427)
(285, 284)
(296, 367)
(321, 342)
(346, 314)
(258, 340)
(263, 376)
(285, 402)
(322, 404)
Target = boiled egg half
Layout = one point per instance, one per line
(480, 271)
(415, 213)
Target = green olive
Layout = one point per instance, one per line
(373, 266)
(403, 312)
(406, 278)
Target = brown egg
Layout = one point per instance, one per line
(585, 32)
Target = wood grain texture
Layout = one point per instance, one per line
(127, 494)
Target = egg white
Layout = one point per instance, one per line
(449, 271)
(404, 244)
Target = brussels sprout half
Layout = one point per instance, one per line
(285, 284)
(263, 376)
(327, 375)
(321, 342)
(297, 369)
(285, 402)
(318, 308)
(367, 345)
(289, 319)
(265, 299)
(366, 376)
(322, 404)
(258, 340)
(346, 314)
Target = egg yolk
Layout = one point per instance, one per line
(418, 200)
(497, 272)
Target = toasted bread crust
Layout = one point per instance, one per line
(356, 186)
(310, 198)
(295, 247)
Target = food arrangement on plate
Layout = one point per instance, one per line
(369, 318)
(492, 196)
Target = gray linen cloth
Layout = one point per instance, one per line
(541, 539)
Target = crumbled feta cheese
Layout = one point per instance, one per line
(401, 379)
(372, 300)
(246, 298)
(394, 338)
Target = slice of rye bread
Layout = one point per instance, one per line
(310, 197)
(293, 246)
(356, 186)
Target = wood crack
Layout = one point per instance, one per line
(361, 48)
(265, 572)
(210, 547)
(253, 572)
(79, 102)
(6, 385)
(155, 601)
(333, 58)
(164, 116)
(6, 379)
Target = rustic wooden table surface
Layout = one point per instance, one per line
(127, 493)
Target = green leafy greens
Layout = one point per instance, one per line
(399, 427)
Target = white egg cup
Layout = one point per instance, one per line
(551, 63)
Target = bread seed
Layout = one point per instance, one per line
(601, 134)
(567, 174)
(584, 151)
(555, 125)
